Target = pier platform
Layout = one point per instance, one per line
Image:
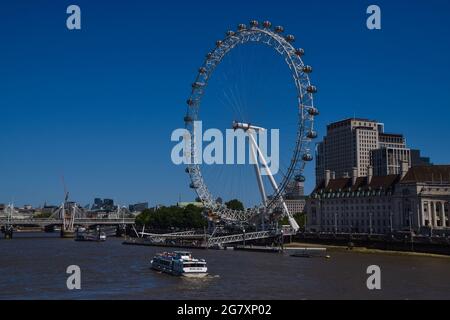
(258, 249)
(143, 242)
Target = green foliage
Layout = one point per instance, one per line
(42, 215)
(300, 217)
(190, 217)
(234, 205)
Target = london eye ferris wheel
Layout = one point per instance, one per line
(271, 187)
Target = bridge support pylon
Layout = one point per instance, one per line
(121, 231)
(9, 231)
(67, 233)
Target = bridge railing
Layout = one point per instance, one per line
(240, 237)
(47, 221)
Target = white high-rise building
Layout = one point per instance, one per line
(347, 145)
(359, 143)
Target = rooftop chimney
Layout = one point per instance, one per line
(369, 174)
(333, 175)
(404, 167)
(327, 177)
(345, 175)
(354, 175)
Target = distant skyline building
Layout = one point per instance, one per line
(138, 207)
(103, 205)
(359, 144)
(418, 160)
(295, 190)
(294, 197)
(98, 203)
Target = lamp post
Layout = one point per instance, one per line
(410, 230)
(431, 222)
(335, 223)
(390, 222)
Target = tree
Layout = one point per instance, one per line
(190, 217)
(143, 217)
(42, 215)
(234, 204)
(300, 217)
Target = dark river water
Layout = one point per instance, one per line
(33, 266)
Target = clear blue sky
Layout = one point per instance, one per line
(98, 105)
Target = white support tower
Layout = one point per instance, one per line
(252, 131)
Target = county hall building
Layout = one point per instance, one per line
(416, 199)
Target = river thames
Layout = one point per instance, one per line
(33, 266)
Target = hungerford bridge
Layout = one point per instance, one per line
(68, 217)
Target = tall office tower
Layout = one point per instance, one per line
(138, 207)
(352, 145)
(295, 190)
(347, 145)
(98, 204)
(390, 140)
(320, 162)
(295, 198)
(108, 204)
(391, 153)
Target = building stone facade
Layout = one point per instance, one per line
(424, 196)
(417, 199)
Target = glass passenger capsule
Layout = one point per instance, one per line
(267, 24)
(313, 111)
(311, 89)
(290, 38)
(299, 52)
(254, 23)
(312, 134)
(307, 157)
(242, 27)
(307, 69)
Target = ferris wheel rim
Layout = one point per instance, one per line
(305, 108)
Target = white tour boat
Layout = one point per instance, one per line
(179, 263)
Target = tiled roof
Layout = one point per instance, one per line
(344, 184)
(435, 173)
